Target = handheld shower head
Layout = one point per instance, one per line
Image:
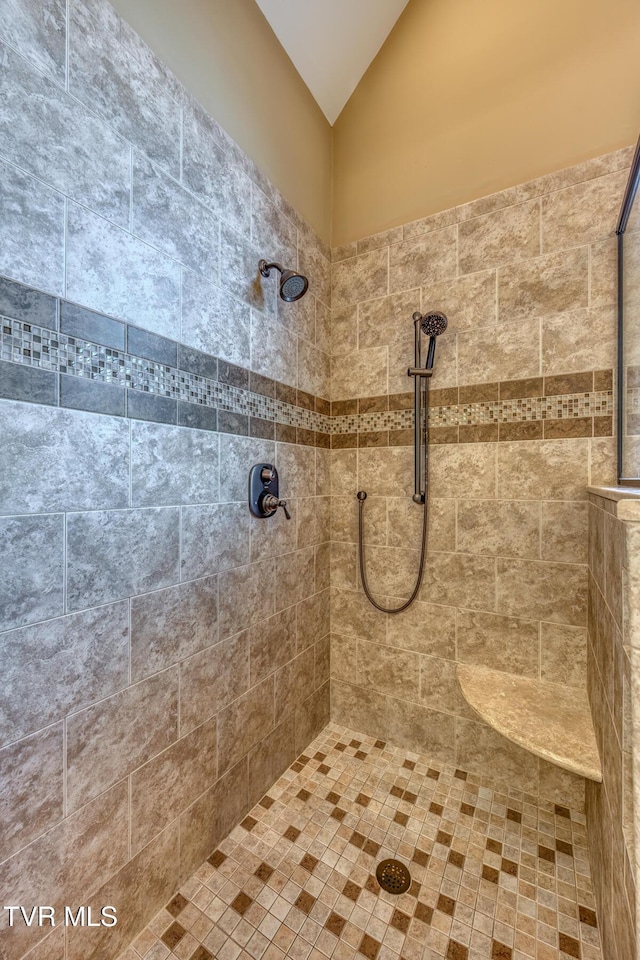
(293, 285)
(432, 324)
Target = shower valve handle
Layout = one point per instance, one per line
(270, 504)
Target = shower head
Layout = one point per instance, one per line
(432, 323)
(292, 285)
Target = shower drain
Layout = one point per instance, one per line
(393, 876)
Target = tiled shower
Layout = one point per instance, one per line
(203, 720)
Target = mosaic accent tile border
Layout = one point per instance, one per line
(595, 404)
(50, 350)
(494, 875)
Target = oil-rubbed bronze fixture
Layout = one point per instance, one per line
(293, 285)
(264, 498)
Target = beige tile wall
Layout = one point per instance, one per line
(527, 279)
(613, 560)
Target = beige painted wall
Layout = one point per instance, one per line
(468, 98)
(225, 52)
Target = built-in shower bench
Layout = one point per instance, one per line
(552, 721)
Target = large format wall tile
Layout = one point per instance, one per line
(579, 340)
(130, 728)
(172, 465)
(546, 285)
(502, 643)
(31, 794)
(171, 219)
(32, 550)
(169, 783)
(138, 891)
(111, 555)
(124, 91)
(543, 470)
(38, 30)
(66, 865)
(240, 274)
(506, 352)
(468, 301)
(271, 349)
(212, 679)
(543, 591)
(360, 374)
(244, 722)
(214, 538)
(501, 528)
(61, 665)
(210, 173)
(583, 212)
(214, 321)
(171, 625)
(505, 236)
(111, 271)
(61, 460)
(433, 256)
(273, 232)
(272, 644)
(32, 217)
(360, 278)
(39, 121)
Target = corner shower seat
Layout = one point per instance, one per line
(552, 721)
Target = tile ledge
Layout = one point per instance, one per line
(626, 499)
(548, 719)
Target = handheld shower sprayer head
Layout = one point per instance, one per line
(432, 323)
(293, 285)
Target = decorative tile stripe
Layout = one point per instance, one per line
(595, 404)
(30, 345)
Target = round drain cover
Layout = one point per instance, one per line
(393, 876)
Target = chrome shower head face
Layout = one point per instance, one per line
(433, 323)
(293, 285)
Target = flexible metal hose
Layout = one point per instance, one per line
(362, 496)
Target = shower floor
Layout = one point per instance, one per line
(495, 876)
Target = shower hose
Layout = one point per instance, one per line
(362, 496)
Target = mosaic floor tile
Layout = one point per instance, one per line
(493, 876)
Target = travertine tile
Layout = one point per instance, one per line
(563, 654)
(131, 97)
(247, 594)
(169, 783)
(353, 616)
(96, 543)
(40, 121)
(270, 758)
(171, 625)
(457, 579)
(212, 679)
(439, 687)
(479, 747)
(469, 301)
(507, 235)
(563, 532)
(543, 591)
(126, 742)
(344, 651)
(359, 374)
(392, 571)
(111, 271)
(360, 278)
(294, 682)
(376, 240)
(404, 522)
(502, 528)
(213, 538)
(272, 230)
(388, 320)
(466, 471)
(31, 790)
(582, 213)
(162, 459)
(272, 643)
(498, 642)
(313, 619)
(551, 284)
(61, 665)
(387, 472)
(344, 331)
(430, 256)
(214, 321)
(210, 818)
(244, 722)
(137, 891)
(33, 549)
(507, 352)
(38, 31)
(389, 670)
(569, 341)
(67, 865)
(33, 256)
(313, 262)
(547, 470)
